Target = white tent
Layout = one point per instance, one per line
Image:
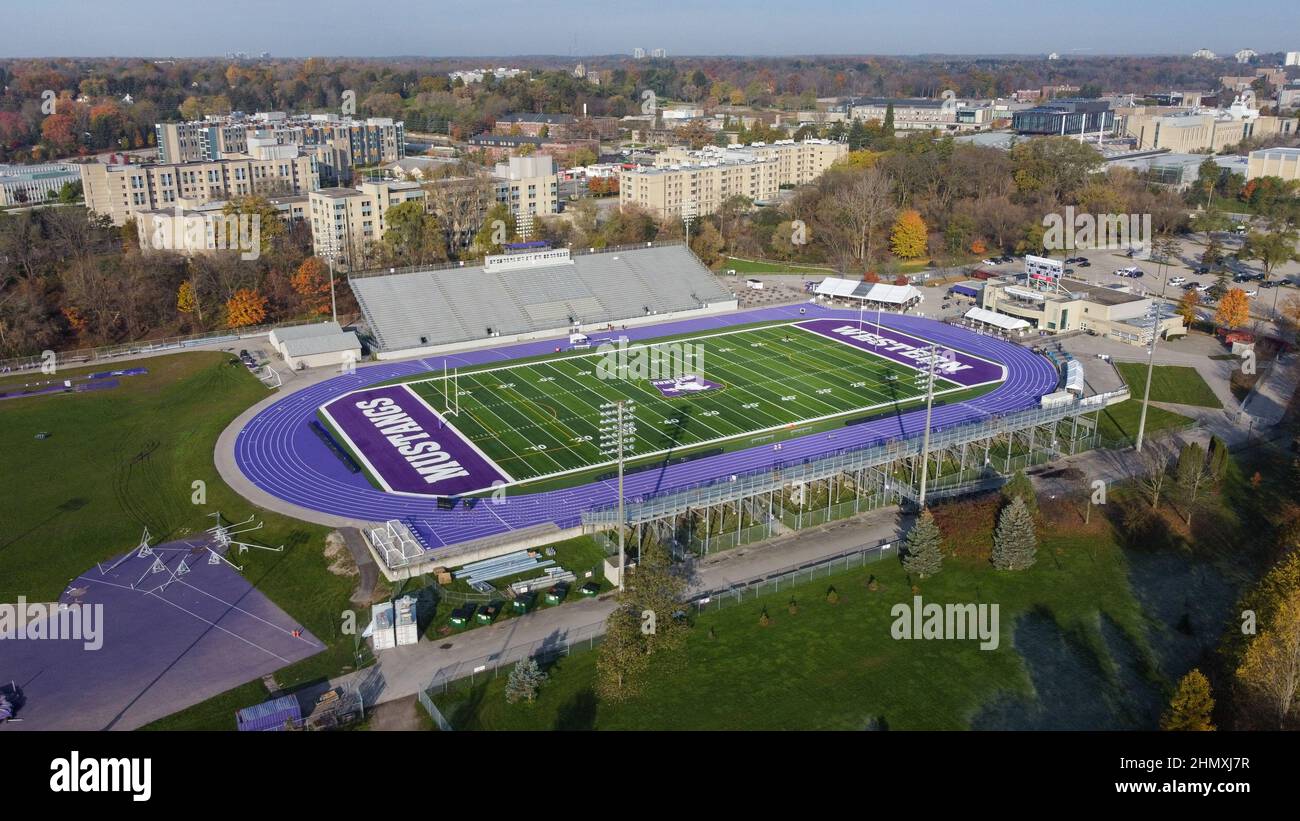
(840, 288)
(997, 320)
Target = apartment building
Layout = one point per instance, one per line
(529, 185)
(346, 221)
(677, 190)
(338, 143)
(204, 228)
(121, 191)
(796, 162)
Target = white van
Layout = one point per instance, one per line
(754, 284)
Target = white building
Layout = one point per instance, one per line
(1246, 55)
(1293, 58)
(1204, 54)
(318, 345)
(34, 184)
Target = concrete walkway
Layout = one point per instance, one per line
(408, 670)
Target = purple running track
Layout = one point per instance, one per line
(278, 452)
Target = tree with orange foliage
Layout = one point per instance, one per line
(871, 276)
(1234, 309)
(246, 307)
(978, 248)
(76, 320)
(900, 280)
(908, 239)
(311, 281)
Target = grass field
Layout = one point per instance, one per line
(124, 459)
(835, 666)
(542, 419)
(1121, 421)
(752, 266)
(1176, 384)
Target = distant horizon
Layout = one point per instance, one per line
(566, 29)
(488, 59)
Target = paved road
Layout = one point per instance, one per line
(407, 670)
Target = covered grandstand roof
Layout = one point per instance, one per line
(997, 320)
(840, 288)
(452, 304)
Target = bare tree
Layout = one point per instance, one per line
(1153, 469)
(854, 213)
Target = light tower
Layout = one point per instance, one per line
(926, 379)
(1154, 314)
(617, 437)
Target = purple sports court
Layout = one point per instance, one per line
(174, 624)
(408, 446)
(952, 364)
(684, 386)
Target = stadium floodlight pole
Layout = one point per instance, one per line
(617, 436)
(1155, 312)
(925, 438)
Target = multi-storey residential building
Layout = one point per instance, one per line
(339, 143)
(699, 189)
(204, 228)
(529, 185)
(120, 191)
(796, 162)
(345, 222)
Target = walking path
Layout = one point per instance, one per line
(408, 670)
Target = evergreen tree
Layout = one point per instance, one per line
(526, 678)
(1015, 545)
(887, 127)
(1218, 457)
(857, 135)
(923, 555)
(1020, 485)
(1191, 706)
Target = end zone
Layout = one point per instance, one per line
(408, 446)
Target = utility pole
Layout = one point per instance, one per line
(617, 436)
(925, 438)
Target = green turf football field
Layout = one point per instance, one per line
(540, 419)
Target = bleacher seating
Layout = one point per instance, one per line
(458, 304)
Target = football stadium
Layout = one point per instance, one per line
(485, 423)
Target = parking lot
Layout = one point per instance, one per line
(1268, 293)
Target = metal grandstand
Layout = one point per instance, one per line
(449, 304)
(880, 469)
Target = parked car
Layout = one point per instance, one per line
(1085, 263)
(993, 261)
(1177, 280)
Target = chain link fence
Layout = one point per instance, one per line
(795, 575)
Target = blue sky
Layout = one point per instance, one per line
(185, 28)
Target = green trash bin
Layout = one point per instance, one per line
(590, 589)
(524, 602)
(557, 593)
(489, 613)
(461, 615)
